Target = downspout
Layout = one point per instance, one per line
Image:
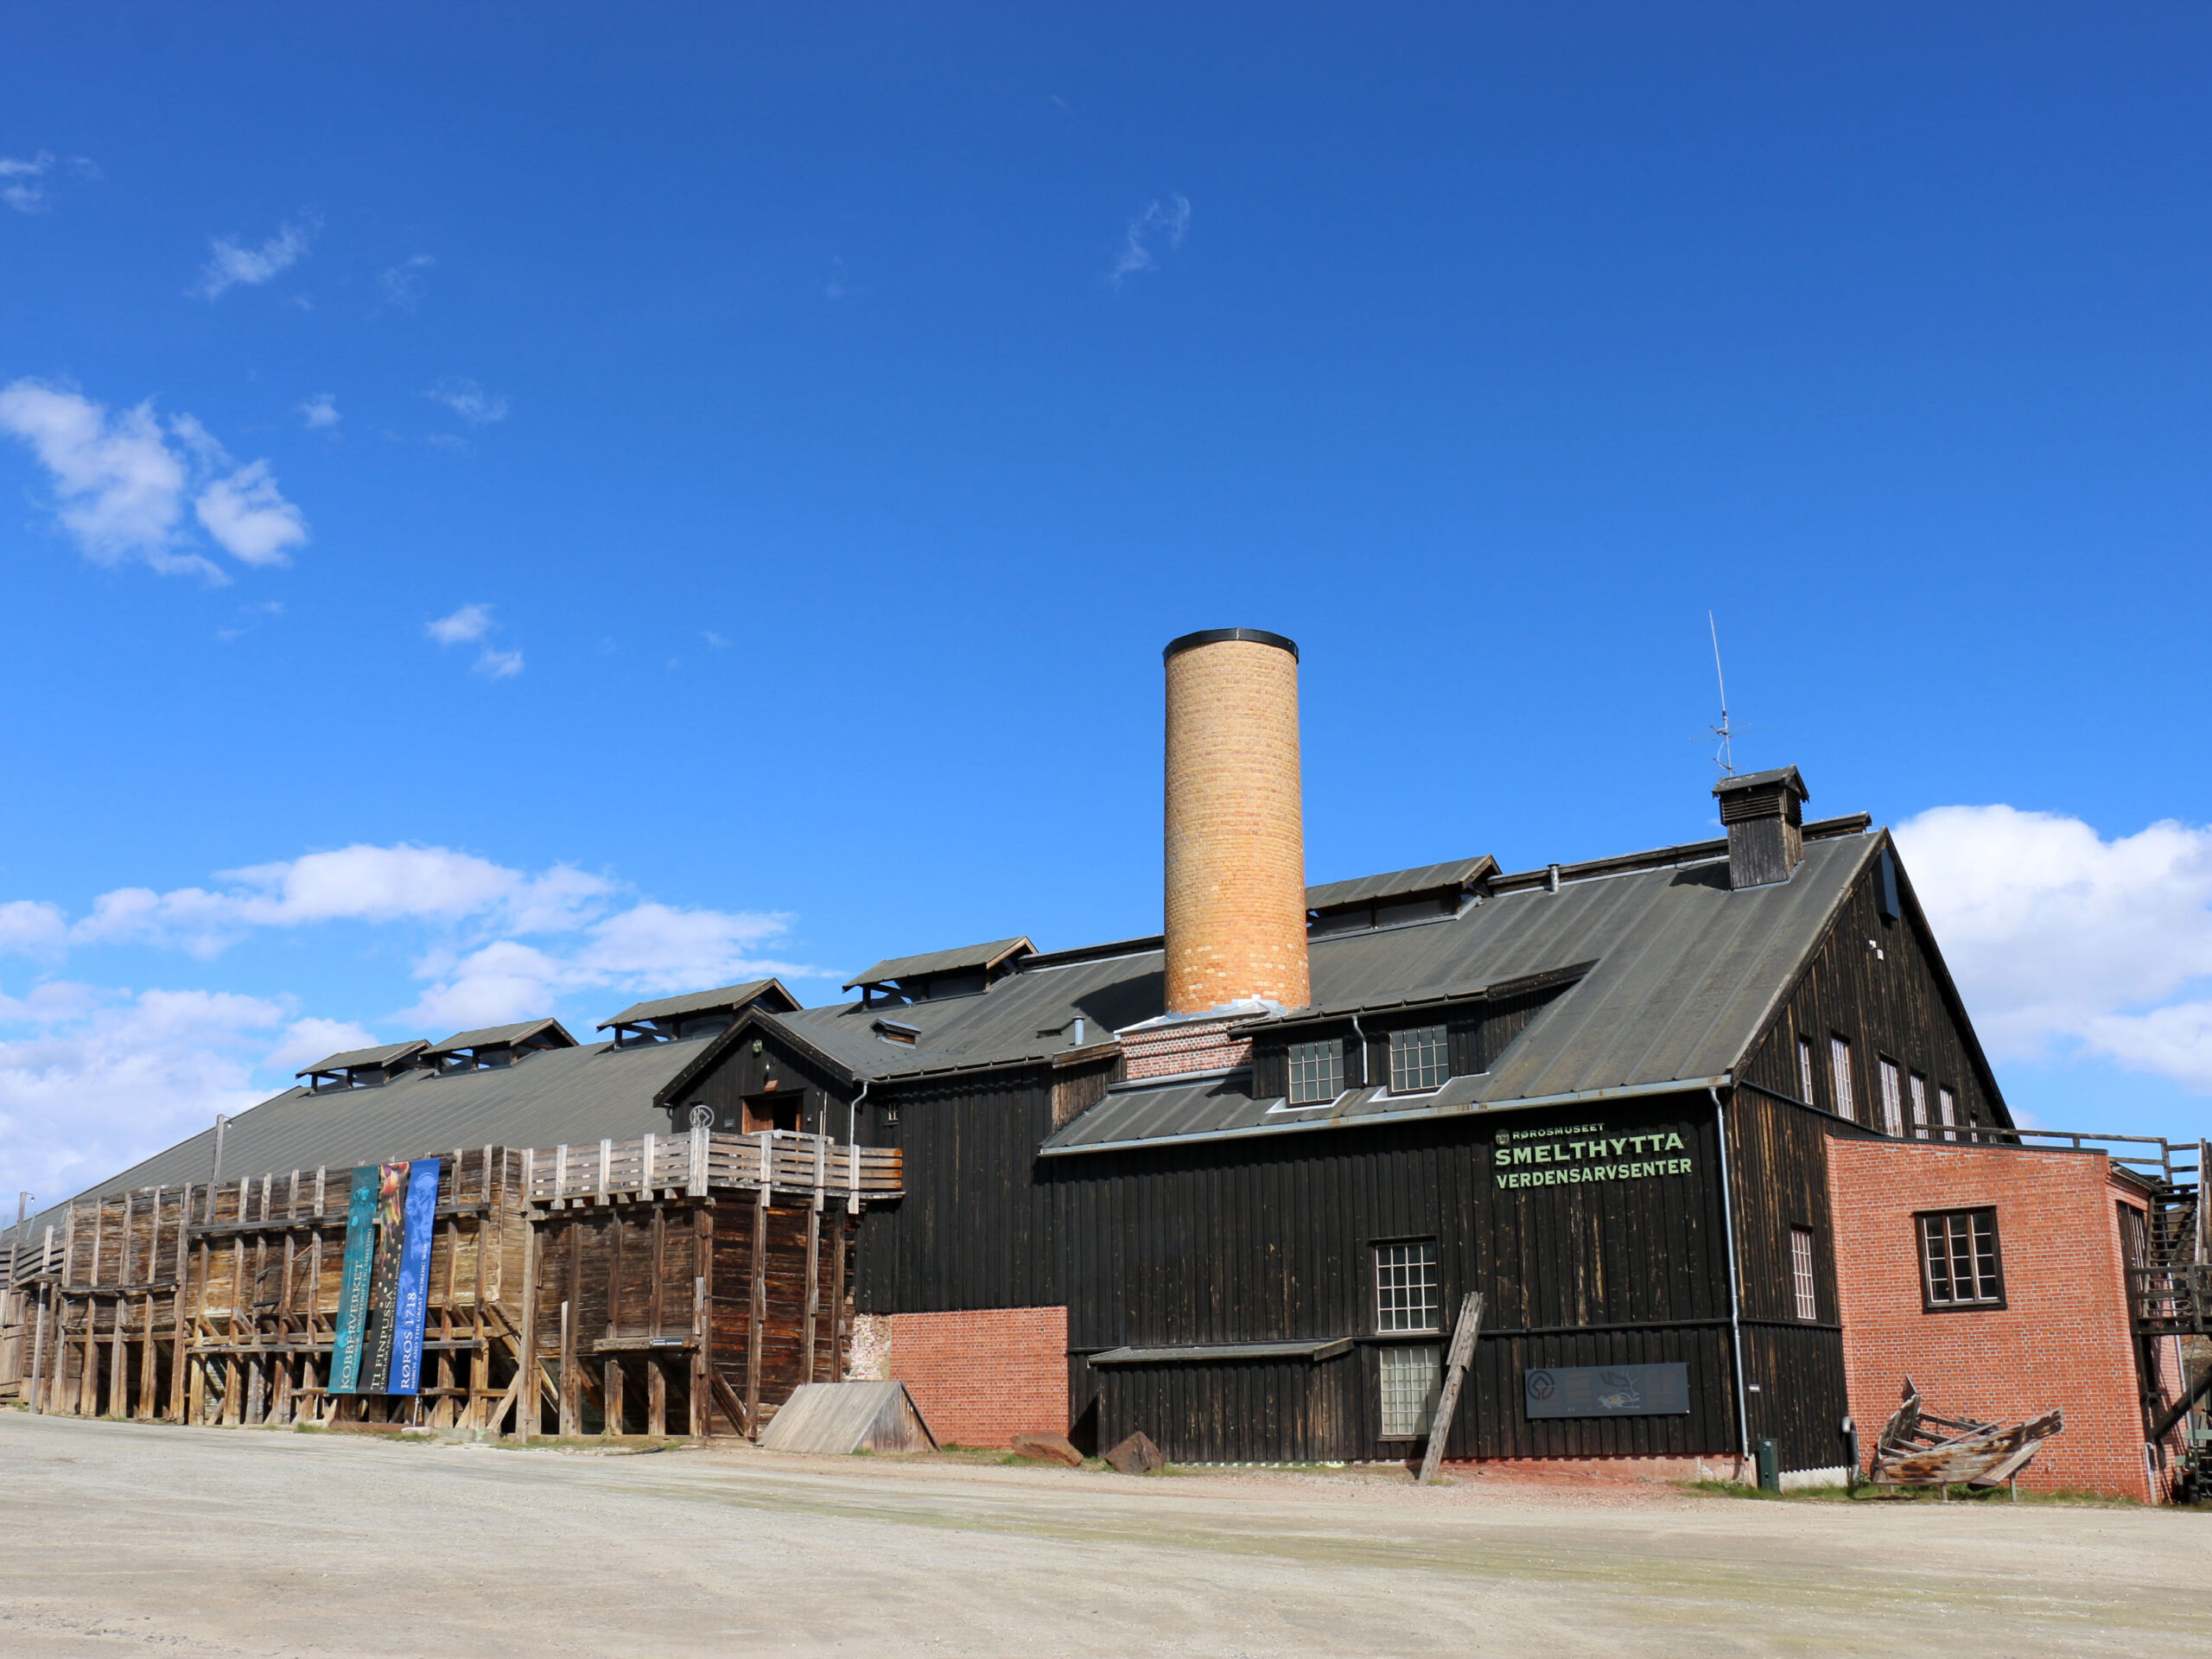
(1735, 1296)
(853, 1114)
(1362, 1036)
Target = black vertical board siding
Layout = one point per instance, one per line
(1800, 1401)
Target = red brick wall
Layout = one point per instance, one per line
(982, 1377)
(2063, 1338)
(1181, 1046)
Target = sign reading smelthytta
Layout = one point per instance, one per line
(1587, 1152)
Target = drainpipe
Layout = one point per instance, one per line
(1362, 1036)
(853, 1114)
(1735, 1298)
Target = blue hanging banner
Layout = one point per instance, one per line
(413, 1278)
(353, 1284)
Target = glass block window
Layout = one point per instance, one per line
(1412, 1379)
(1947, 1113)
(1892, 1098)
(1406, 1296)
(1419, 1060)
(1317, 1072)
(1801, 1272)
(1958, 1259)
(1919, 1107)
(1840, 1074)
(1805, 1070)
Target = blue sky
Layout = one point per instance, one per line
(575, 504)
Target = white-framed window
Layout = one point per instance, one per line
(1419, 1059)
(1317, 1071)
(1892, 1098)
(1805, 1070)
(1801, 1273)
(1919, 1085)
(1412, 1377)
(1840, 1076)
(1947, 1113)
(1406, 1295)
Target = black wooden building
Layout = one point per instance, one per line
(1597, 1093)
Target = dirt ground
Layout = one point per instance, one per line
(125, 1538)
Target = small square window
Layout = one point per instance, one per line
(1405, 1287)
(1959, 1265)
(1412, 1377)
(1317, 1072)
(1419, 1060)
(1892, 1098)
(1840, 1075)
(1801, 1273)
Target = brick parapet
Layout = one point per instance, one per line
(1184, 1045)
(2063, 1337)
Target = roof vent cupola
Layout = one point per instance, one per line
(1763, 814)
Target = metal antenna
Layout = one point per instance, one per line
(1725, 757)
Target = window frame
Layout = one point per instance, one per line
(1844, 1100)
(1947, 1109)
(1804, 1276)
(1892, 1078)
(1397, 1043)
(1394, 1355)
(1291, 1063)
(1969, 1214)
(1806, 1071)
(1917, 1104)
(1433, 1281)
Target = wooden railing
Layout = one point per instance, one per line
(692, 1165)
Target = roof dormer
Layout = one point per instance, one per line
(1432, 893)
(496, 1045)
(364, 1068)
(966, 971)
(696, 1014)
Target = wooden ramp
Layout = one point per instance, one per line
(841, 1417)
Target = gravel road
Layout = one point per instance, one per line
(128, 1538)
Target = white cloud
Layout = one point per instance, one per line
(469, 622)
(498, 664)
(250, 518)
(27, 182)
(121, 482)
(92, 1080)
(320, 412)
(30, 928)
(1172, 220)
(230, 264)
(469, 400)
(306, 1041)
(403, 283)
(2062, 940)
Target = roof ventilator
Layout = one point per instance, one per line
(1763, 814)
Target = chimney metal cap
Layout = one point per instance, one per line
(1787, 776)
(1215, 636)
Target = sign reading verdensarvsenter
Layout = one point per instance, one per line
(1586, 1152)
(1607, 1391)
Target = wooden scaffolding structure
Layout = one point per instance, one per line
(607, 1288)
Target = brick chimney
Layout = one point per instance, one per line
(1236, 864)
(1762, 812)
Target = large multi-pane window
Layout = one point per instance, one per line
(1418, 1060)
(1805, 1070)
(1958, 1259)
(1801, 1273)
(1406, 1296)
(1892, 1098)
(1317, 1071)
(1919, 1107)
(1840, 1075)
(1412, 1379)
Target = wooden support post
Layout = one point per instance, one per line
(703, 1323)
(149, 1365)
(1455, 1372)
(178, 1335)
(527, 1402)
(756, 1326)
(38, 1337)
(571, 1403)
(840, 1331)
(813, 1287)
(614, 1418)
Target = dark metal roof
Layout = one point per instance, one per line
(975, 958)
(1314, 1349)
(588, 1094)
(494, 1036)
(1215, 636)
(1459, 874)
(728, 996)
(360, 1056)
(1686, 975)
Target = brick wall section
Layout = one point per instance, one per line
(984, 1376)
(1169, 1050)
(2063, 1338)
(1234, 898)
